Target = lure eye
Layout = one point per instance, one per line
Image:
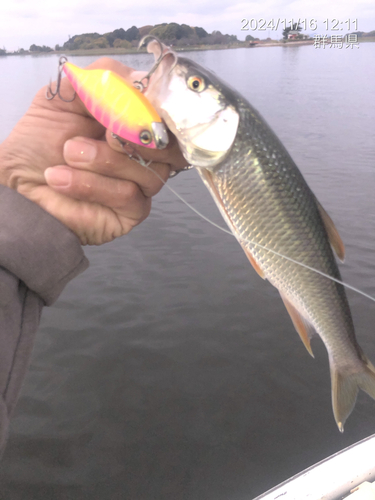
(196, 83)
(145, 137)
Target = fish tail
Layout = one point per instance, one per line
(345, 388)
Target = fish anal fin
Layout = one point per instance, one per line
(207, 177)
(304, 330)
(332, 232)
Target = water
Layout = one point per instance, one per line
(169, 369)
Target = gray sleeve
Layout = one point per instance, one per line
(38, 257)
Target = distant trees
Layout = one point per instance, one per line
(171, 33)
(129, 35)
(217, 38)
(182, 34)
(86, 41)
(201, 32)
(123, 38)
(98, 43)
(115, 35)
(38, 48)
(132, 34)
(123, 44)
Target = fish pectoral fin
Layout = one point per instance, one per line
(333, 235)
(209, 182)
(304, 329)
(254, 263)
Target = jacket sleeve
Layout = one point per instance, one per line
(38, 257)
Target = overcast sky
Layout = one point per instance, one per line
(50, 22)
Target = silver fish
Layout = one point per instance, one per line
(265, 200)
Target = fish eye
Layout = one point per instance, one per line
(145, 137)
(196, 83)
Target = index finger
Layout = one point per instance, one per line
(96, 156)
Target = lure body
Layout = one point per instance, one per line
(118, 106)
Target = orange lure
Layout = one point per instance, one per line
(118, 106)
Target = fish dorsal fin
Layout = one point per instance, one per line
(304, 329)
(333, 235)
(208, 180)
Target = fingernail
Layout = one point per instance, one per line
(58, 176)
(79, 151)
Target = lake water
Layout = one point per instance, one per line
(169, 369)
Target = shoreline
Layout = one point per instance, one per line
(282, 44)
(110, 51)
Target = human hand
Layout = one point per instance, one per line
(89, 185)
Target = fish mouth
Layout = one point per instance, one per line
(160, 134)
(158, 81)
(158, 49)
(165, 61)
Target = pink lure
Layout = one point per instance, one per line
(118, 106)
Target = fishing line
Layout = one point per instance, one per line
(350, 287)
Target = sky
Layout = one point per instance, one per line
(43, 22)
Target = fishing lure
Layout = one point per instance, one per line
(118, 106)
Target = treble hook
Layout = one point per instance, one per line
(139, 83)
(50, 94)
(130, 151)
(133, 155)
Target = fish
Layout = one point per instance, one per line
(118, 106)
(270, 209)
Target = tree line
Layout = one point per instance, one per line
(172, 33)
